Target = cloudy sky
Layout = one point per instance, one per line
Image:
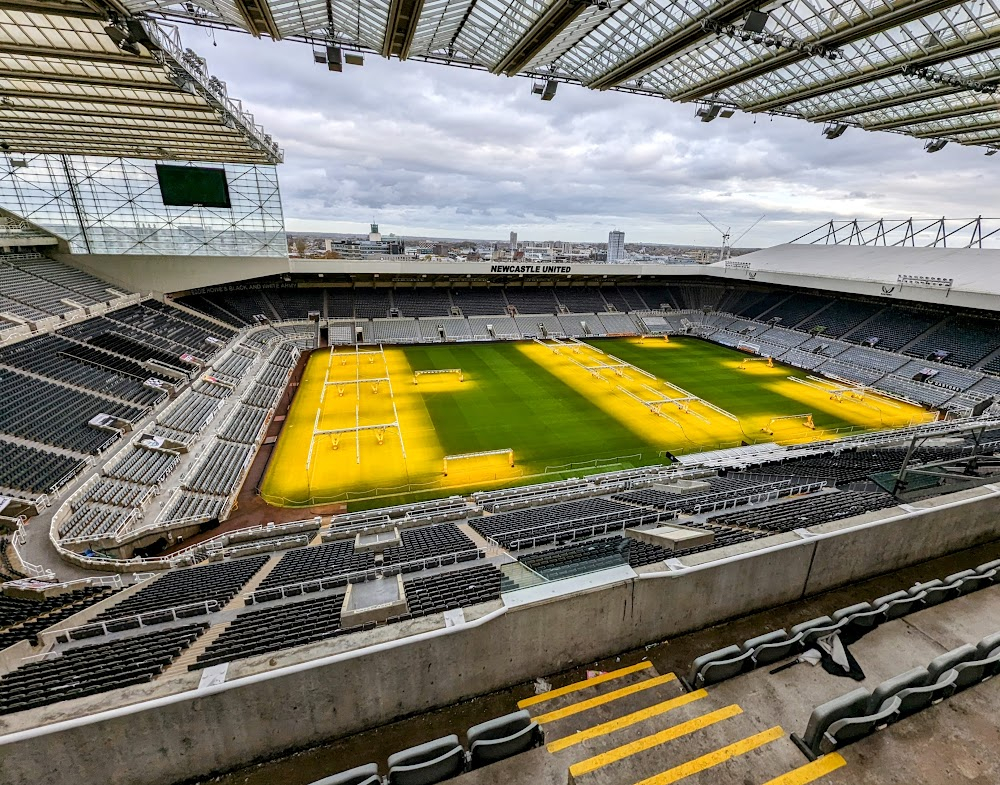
(430, 150)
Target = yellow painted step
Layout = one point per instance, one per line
(720, 755)
(608, 697)
(623, 722)
(582, 685)
(810, 772)
(653, 740)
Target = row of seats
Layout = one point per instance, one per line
(23, 619)
(33, 470)
(786, 516)
(218, 582)
(90, 670)
(441, 759)
(50, 413)
(854, 620)
(859, 713)
(58, 358)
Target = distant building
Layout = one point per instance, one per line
(513, 241)
(616, 246)
(375, 246)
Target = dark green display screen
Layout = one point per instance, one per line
(193, 186)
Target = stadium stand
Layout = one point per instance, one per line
(32, 470)
(213, 582)
(87, 670)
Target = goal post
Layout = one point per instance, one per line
(807, 422)
(769, 360)
(507, 451)
(436, 371)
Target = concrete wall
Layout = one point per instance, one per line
(144, 274)
(187, 735)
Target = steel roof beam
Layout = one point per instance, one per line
(50, 53)
(557, 17)
(883, 71)
(883, 103)
(216, 130)
(93, 99)
(54, 8)
(258, 18)
(930, 117)
(127, 84)
(990, 125)
(207, 115)
(400, 27)
(894, 17)
(676, 43)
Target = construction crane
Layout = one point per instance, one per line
(725, 250)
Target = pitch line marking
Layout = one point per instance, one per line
(654, 740)
(581, 685)
(810, 772)
(624, 722)
(600, 700)
(720, 755)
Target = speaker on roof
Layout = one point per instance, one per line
(334, 58)
(755, 22)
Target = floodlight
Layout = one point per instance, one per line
(547, 90)
(993, 151)
(934, 145)
(834, 130)
(708, 112)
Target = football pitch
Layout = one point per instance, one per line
(365, 428)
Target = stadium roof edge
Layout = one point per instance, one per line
(866, 271)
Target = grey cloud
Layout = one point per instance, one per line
(428, 149)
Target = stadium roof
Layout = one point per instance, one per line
(922, 67)
(77, 78)
(939, 271)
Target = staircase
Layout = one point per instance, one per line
(633, 726)
(191, 653)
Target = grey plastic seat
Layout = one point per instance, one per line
(817, 628)
(849, 729)
(913, 699)
(972, 672)
(362, 775)
(760, 640)
(990, 566)
(967, 581)
(935, 591)
(987, 645)
(502, 738)
(853, 704)
(888, 689)
(427, 764)
(781, 645)
(722, 669)
(699, 663)
(949, 660)
(862, 616)
(898, 604)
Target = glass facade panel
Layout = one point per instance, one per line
(114, 206)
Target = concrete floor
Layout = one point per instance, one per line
(954, 741)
